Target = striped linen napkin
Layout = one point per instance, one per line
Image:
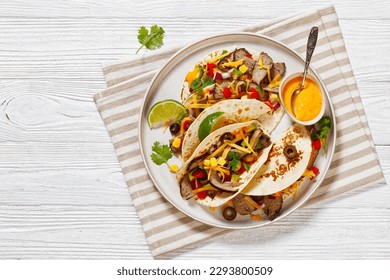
(165, 227)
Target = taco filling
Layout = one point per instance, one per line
(224, 167)
(238, 74)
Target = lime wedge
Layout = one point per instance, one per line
(165, 111)
(209, 124)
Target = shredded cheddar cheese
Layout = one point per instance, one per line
(214, 59)
(233, 63)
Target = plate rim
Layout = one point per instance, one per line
(203, 40)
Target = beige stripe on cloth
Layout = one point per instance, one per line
(119, 107)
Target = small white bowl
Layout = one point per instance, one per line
(313, 78)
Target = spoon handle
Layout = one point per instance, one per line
(311, 44)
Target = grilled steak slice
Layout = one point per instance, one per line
(249, 62)
(259, 74)
(216, 181)
(278, 68)
(227, 58)
(242, 206)
(185, 188)
(272, 206)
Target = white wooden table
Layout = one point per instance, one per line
(62, 194)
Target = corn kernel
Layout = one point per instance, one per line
(273, 96)
(243, 68)
(174, 167)
(206, 162)
(213, 162)
(176, 143)
(221, 161)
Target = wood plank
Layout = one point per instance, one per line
(174, 10)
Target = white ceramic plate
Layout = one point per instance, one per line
(167, 84)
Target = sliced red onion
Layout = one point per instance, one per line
(276, 106)
(217, 76)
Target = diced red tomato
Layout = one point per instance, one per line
(242, 168)
(315, 170)
(210, 70)
(199, 173)
(195, 184)
(316, 144)
(269, 104)
(202, 195)
(249, 55)
(254, 94)
(228, 177)
(227, 93)
(186, 124)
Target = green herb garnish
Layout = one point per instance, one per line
(198, 85)
(151, 40)
(234, 160)
(162, 153)
(236, 72)
(325, 124)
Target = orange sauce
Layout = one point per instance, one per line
(308, 102)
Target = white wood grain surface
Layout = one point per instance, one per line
(62, 194)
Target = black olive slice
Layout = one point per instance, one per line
(174, 128)
(265, 140)
(229, 213)
(226, 136)
(290, 151)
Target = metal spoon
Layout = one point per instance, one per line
(311, 44)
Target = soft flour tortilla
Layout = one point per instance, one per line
(234, 111)
(186, 93)
(279, 172)
(244, 179)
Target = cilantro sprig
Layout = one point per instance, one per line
(325, 124)
(199, 84)
(234, 160)
(162, 153)
(151, 40)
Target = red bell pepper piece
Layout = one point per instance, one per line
(254, 94)
(316, 144)
(202, 195)
(315, 170)
(199, 173)
(227, 93)
(210, 70)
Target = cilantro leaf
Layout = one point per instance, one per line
(325, 124)
(247, 166)
(233, 155)
(196, 84)
(207, 81)
(234, 160)
(151, 40)
(235, 164)
(162, 153)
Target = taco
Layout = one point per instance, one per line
(287, 162)
(233, 74)
(231, 111)
(224, 163)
